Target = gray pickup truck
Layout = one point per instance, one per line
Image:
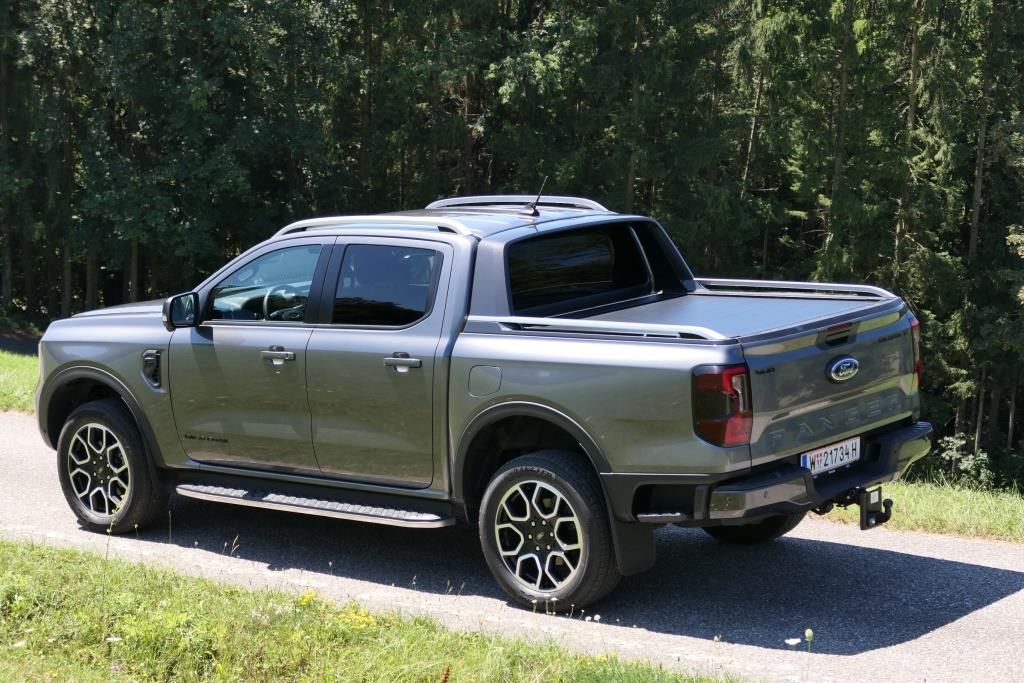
(544, 368)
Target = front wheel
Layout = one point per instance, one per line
(545, 533)
(103, 469)
(764, 530)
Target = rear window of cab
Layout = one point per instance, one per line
(577, 269)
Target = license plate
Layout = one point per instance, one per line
(831, 457)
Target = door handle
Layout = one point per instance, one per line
(401, 362)
(277, 355)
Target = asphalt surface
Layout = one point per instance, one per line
(883, 605)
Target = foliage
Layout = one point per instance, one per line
(954, 461)
(142, 144)
(71, 615)
(945, 507)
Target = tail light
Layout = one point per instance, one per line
(722, 412)
(915, 336)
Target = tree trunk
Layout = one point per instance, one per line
(7, 289)
(133, 273)
(366, 105)
(839, 137)
(92, 274)
(29, 269)
(979, 176)
(66, 285)
(1013, 415)
(752, 137)
(981, 411)
(903, 221)
(435, 125)
(630, 181)
(993, 410)
(6, 227)
(979, 154)
(634, 134)
(467, 134)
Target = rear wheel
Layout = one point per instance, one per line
(764, 530)
(103, 469)
(545, 533)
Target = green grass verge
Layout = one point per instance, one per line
(945, 509)
(18, 375)
(71, 615)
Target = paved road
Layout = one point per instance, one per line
(18, 343)
(890, 605)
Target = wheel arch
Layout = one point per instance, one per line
(74, 386)
(531, 425)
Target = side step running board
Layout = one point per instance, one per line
(315, 506)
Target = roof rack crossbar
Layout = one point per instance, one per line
(524, 199)
(426, 222)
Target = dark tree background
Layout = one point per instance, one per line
(144, 143)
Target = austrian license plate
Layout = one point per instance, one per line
(831, 457)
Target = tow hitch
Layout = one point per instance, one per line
(874, 510)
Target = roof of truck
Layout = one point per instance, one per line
(477, 216)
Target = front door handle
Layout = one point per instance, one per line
(277, 355)
(401, 362)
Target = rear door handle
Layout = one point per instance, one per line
(401, 362)
(277, 355)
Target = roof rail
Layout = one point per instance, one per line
(524, 199)
(424, 222)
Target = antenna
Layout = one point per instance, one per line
(531, 208)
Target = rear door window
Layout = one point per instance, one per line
(577, 269)
(385, 285)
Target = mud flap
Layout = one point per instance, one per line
(634, 546)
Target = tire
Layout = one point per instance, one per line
(765, 530)
(554, 576)
(107, 479)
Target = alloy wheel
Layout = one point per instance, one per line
(98, 469)
(539, 536)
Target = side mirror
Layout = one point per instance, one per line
(181, 310)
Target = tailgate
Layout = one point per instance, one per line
(799, 403)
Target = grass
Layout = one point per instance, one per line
(18, 375)
(71, 615)
(946, 509)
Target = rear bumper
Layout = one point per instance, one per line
(779, 489)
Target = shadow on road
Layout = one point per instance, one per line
(15, 342)
(856, 599)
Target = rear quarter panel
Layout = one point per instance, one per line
(631, 397)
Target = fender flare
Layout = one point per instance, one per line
(78, 372)
(501, 411)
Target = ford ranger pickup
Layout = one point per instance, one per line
(542, 368)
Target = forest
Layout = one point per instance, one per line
(143, 143)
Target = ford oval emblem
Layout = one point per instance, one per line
(843, 369)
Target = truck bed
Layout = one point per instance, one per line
(742, 308)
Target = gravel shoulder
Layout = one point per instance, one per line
(906, 606)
